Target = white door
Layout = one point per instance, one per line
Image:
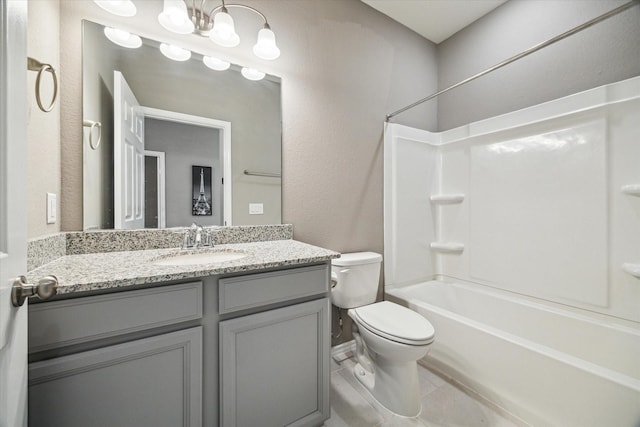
(13, 223)
(128, 156)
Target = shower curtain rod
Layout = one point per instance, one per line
(520, 55)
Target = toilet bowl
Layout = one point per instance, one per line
(389, 338)
(392, 338)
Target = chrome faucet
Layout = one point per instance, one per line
(193, 238)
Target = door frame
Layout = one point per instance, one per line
(162, 188)
(225, 129)
(13, 199)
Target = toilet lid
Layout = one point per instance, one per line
(396, 323)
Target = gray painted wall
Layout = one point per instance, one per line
(43, 129)
(605, 53)
(344, 66)
(186, 146)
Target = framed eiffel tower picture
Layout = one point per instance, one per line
(201, 202)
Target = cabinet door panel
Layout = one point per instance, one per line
(274, 367)
(150, 382)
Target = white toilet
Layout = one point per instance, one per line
(389, 338)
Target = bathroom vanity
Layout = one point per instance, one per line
(238, 343)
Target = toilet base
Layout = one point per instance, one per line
(393, 384)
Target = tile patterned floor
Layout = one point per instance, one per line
(444, 404)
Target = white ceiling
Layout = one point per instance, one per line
(435, 20)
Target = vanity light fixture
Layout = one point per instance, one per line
(118, 7)
(223, 32)
(215, 63)
(252, 74)
(174, 17)
(174, 52)
(123, 38)
(266, 47)
(216, 23)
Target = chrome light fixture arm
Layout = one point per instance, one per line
(223, 7)
(203, 21)
(223, 31)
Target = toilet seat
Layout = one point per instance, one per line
(396, 323)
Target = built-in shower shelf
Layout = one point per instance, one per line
(632, 269)
(631, 189)
(446, 199)
(447, 247)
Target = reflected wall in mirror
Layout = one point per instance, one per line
(140, 175)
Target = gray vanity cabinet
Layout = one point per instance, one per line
(243, 349)
(122, 359)
(274, 364)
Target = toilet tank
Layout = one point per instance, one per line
(357, 276)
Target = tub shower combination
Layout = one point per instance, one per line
(517, 238)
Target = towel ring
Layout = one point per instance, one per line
(35, 65)
(91, 125)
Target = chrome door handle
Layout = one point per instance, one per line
(21, 290)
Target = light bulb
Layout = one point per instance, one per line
(266, 47)
(252, 74)
(174, 52)
(174, 17)
(123, 38)
(215, 63)
(117, 7)
(223, 31)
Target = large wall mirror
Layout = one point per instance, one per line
(180, 142)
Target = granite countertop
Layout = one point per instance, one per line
(99, 271)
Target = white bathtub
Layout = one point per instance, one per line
(543, 364)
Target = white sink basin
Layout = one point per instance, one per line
(200, 258)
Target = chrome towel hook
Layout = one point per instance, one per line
(91, 125)
(35, 65)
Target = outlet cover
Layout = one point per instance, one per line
(256, 209)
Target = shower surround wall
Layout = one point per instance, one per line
(540, 207)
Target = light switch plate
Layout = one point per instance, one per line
(52, 211)
(256, 208)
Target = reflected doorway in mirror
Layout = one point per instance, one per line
(155, 195)
(201, 201)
